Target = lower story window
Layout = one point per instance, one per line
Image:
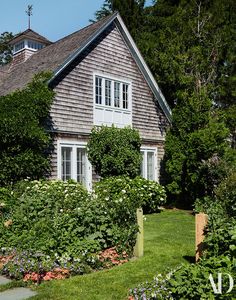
(73, 163)
(149, 164)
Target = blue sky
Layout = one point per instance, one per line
(53, 19)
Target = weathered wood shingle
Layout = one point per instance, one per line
(47, 59)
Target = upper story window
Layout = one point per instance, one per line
(34, 45)
(27, 44)
(112, 101)
(17, 47)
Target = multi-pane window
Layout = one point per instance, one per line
(19, 46)
(108, 92)
(74, 164)
(125, 96)
(98, 88)
(148, 165)
(34, 45)
(66, 163)
(117, 94)
(81, 165)
(112, 93)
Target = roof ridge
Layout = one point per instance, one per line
(86, 27)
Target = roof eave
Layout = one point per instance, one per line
(144, 67)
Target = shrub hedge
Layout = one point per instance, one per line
(115, 151)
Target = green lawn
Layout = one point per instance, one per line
(168, 241)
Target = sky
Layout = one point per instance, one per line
(53, 19)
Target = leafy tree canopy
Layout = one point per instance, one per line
(132, 12)
(5, 48)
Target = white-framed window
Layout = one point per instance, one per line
(27, 44)
(34, 45)
(148, 167)
(19, 46)
(112, 101)
(73, 163)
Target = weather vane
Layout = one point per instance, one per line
(29, 13)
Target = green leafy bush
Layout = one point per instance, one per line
(226, 194)
(192, 281)
(28, 262)
(115, 151)
(137, 192)
(61, 217)
(46, 217)
(189, 282)
(25, 142)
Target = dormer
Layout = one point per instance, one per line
(25, 44)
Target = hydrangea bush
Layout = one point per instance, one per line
(63, 219)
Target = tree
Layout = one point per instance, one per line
(25, 142)
(195, 146)
(132, 12)
(5, 48)
(115, 151)
(186, 44)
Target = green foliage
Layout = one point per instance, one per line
(135, 193)
(131, 11)
(192, 281)
(226, 194)
(221, 238)
(155, 289)
(189, 282)
(195, 146)
(25, 143)
(221, 229)
(5, 48)
(27, 262)
(45, 218)
(59, 217)
(115, 151)
(188, 46)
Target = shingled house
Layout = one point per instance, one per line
(99, 77)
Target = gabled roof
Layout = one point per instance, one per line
(57, 56)
(32, 35)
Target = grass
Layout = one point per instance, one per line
(168, 241)
(11, 285)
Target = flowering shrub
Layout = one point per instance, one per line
(35, 266)
(58, 218)
(134, 193)
(44, 216)
(155, 289)
(188, 282)
(62, 221)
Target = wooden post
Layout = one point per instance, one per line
(138, 249)
(200, 223)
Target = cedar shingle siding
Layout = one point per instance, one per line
(101, 48)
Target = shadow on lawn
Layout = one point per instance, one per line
(190, 259)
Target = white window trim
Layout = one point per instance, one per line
(26, 41)
(112, 107)
(156, 170)
(74, 144)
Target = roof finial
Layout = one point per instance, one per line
(29, 13)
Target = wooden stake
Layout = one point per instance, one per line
(200, 223)
(138, 249)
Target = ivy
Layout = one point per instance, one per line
(25, 142)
